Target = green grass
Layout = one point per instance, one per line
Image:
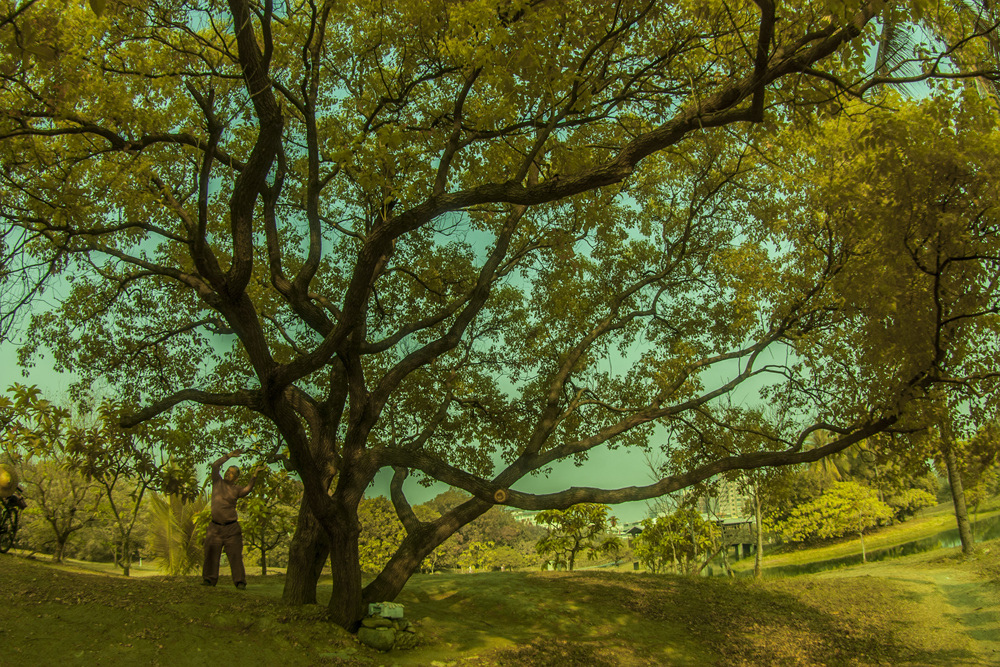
(927, 523)
(74, 615)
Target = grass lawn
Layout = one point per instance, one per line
(926, 523)
(69, 615)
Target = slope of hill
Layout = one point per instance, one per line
(930, 609)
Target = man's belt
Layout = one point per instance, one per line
(224, 523)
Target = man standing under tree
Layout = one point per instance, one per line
(224, 530)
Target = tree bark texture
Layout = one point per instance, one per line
(958, 499)
(416, 546)
(346, 605)
(307, 554)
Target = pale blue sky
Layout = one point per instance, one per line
(604, 469)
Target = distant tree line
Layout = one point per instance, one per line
(97, 492)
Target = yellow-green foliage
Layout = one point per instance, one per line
(177, 530)
(845, 508)
(675, 540)
(579, 528)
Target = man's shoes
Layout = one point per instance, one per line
(206, 582)
(241, 585)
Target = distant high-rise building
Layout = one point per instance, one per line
(728, 502)
(524, 516)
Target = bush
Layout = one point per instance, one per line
(907, 503)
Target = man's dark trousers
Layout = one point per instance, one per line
(230, 538)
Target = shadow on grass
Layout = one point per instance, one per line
(626, 619)
(576, 618)
(58, 615)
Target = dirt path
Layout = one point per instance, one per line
(960, 608)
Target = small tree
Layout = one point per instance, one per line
(477, 556)
(63, 500)
(846, 507)
(577, 528)
(908, 502)
(674, 540)
(268, 515)
(127, 465)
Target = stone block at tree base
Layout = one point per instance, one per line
(384, 634)
(380, 639)
(405, 640)
(385, 609)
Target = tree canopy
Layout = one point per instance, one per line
(846, 507)
(581, 528)
(469, 239)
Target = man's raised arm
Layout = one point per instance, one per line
(217, 464)
(258, 469)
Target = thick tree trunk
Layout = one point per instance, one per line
(390, 581)
(346, 605)
(263, 562)
(415, 547)
(307, 554)
(958, 499)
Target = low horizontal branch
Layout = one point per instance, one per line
(243, 397)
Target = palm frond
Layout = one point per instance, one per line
(895, 42)
(174, 531)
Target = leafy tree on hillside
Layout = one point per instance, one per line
(381, 533)
(493, 540)
(579, 528)
(513, 541)
(477, 556)
(352, 218)
(675, 541)
(845, 508)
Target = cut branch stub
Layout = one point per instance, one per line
(500, 496)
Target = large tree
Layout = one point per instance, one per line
(467, 239)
